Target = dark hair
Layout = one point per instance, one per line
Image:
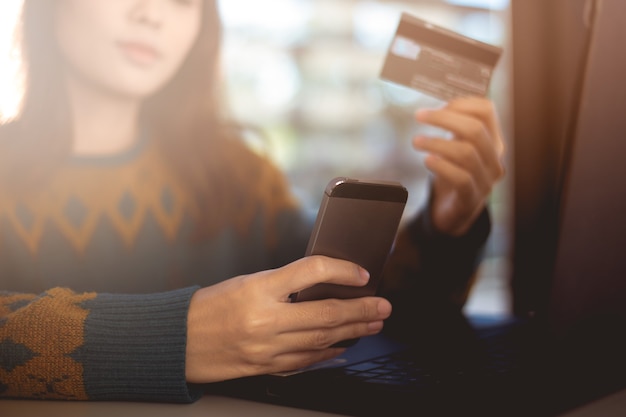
(185, 117)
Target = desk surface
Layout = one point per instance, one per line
(216, 406)
(213, 406)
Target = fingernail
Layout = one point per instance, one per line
(419, 140)
(384, 308)
(364, 274)
(375, 326)
(420, 114)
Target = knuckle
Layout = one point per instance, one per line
(255, 324)
(360, 330)
(317, 266)
(330, 313)
(465, 182)
(321, 338)
(476, 129)
(367, 310)
(251, 285)
(256, 355)
(468, 153)
(247, 330)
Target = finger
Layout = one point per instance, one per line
(312, 270)
(330, 313)
(292, 361)
(484, 110)
(469, 129)
(323, 338)
(454, 176)
(461, 154)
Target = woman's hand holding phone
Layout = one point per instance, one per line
(248, 326)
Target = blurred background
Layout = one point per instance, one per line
(304, 75)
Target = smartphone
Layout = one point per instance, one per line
(357, 221)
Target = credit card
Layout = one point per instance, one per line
(437, 61)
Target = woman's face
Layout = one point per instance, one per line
(126, 47)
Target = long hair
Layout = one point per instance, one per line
(228, 180)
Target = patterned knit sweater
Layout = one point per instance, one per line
(97, 271)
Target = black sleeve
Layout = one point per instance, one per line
(430, 272)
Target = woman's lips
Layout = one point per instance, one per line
(140, 54)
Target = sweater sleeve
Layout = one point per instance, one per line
(93, 346)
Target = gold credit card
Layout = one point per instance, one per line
(437, 61)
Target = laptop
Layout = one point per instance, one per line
(567, 355)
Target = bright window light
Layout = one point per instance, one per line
(482, 4)
(10, 89)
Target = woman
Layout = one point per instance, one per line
(135, 223)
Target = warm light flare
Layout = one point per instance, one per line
(11, 86)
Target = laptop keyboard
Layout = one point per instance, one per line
(500, 356)
(394, 370)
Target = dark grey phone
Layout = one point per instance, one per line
(357, 221)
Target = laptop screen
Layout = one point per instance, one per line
(590, 265)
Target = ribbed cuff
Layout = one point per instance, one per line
(134, 347)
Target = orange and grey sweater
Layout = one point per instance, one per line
(96, 272)
(98, 268)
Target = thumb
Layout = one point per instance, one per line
(311, 270)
